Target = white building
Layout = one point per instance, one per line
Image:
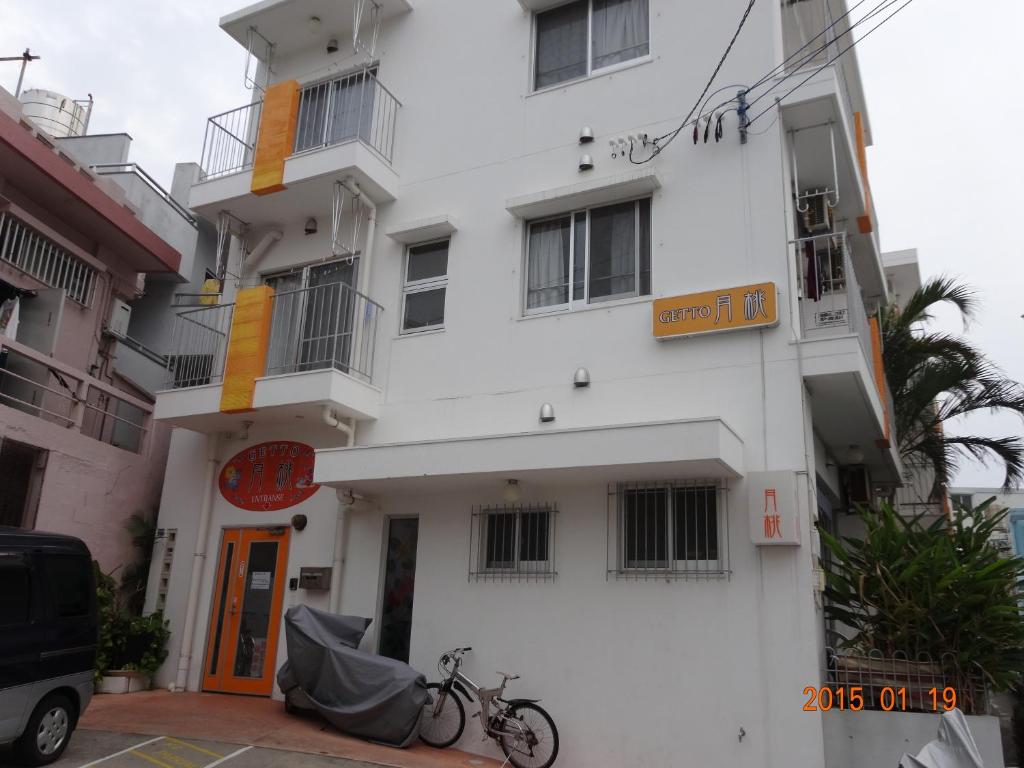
(642, 550)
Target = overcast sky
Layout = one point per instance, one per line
(942, 91)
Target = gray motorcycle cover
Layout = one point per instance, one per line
(359, 693)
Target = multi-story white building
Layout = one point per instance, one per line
(473, 375)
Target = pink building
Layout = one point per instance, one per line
(79, 452)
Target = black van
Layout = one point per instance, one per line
(48, 636)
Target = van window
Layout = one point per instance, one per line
(70, 583)
(15, 595)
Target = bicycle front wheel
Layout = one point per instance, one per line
(534, 744)
(443, 717)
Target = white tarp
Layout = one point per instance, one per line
(954, 748)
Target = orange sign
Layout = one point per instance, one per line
(730, 309)
(269, 476)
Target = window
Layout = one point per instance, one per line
(961, 501)
(47, 262)
(513, 542)
(15, 589)
(589, 256)
(587, 36)
(426, 286)
(668, 529)
(70, 584)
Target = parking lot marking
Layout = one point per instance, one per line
(153, 760)
(224, 759)
(193, 746)
(122, 752)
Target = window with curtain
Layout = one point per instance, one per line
(584, 257)
(582, 37)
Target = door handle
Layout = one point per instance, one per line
(234, 605)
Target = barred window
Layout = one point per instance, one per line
(38, 256)
(513, 543)
(674, 530)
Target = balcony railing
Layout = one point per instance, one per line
(198, 348)
(323, 327)
(831, 302)
(230, 141)
(349, 108)
(43, 387)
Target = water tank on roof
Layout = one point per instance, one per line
(58, 115)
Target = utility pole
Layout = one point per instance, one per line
(25, 58)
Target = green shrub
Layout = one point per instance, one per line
(126, 641)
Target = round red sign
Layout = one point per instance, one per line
(269, 476)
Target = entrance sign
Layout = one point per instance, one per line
(269, 476)
(729, 309)
(774, 509)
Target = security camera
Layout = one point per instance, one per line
(310, 226)
(332, 45)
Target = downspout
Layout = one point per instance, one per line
(198, 562)
(345, 502)
(265, 244)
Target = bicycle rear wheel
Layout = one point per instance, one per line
(443, 718)
(537, 746)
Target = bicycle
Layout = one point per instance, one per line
(525, 732)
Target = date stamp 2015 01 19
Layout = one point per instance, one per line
(889, 699)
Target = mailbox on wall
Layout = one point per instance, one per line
(315, 578)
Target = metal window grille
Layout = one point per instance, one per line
(514, 542)
(900, 682)
(38, 256)
(673, 531)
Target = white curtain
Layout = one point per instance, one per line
(548, 270)
(562, 44)
(613, 251)
(621, 31)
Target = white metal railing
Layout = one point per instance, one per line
(349, 108)
(326, 326)
(38, 256)
(198, 348)
(43, 387)
(112, 169)
(229, 144)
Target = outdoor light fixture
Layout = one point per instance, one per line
(581, 379)
(310, 226)
(586, 134)
(855, 455)
(332, 45)
(586, 162)
(547, 413)
(313, 24)
(512, 493)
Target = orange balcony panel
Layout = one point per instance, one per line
(247, 349)
(276, 137)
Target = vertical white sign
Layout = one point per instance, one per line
(774, 511)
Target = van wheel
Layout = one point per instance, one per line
(47, 732)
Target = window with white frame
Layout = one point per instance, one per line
(584, 37)
(426, 287)
(513, 542)
(674, 530)
(588, 256)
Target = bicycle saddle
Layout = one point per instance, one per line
(508, 676)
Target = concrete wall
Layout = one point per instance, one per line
(861, 739)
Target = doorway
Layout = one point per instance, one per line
(399, 586)
(22, 468)
(241, 648)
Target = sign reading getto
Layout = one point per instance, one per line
(729, 309)
(269, 476)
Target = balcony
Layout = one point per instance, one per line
(42, 387)
(320, 353)
(841, 356)
(344, 127)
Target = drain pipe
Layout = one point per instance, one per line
(265, 244)
(198, 562)
(345, 502)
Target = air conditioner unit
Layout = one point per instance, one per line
(817, 217)
(120, 316)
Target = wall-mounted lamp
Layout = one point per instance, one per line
(512, 492)
(586, 134)
(547, 413)
(581, 378)
(586, 163)
(855, 455)
(310, 226)
(313, 24)
(332, 45)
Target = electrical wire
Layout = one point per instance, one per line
(827, 64)
(671, 136)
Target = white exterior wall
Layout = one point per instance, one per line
(639, 674)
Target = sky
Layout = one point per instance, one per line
(940, 80)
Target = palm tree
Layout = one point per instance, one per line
(936, 377)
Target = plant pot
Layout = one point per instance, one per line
(123, 681)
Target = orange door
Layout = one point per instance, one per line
(241, 647)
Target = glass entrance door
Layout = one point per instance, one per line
(399, 585)
(248, 594)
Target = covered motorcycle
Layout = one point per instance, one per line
(359, 693)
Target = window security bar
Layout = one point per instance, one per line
(668, 531)
(38, 256)
(513, 543)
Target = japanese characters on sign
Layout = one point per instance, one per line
(749, 306)
(774, 511)
(269, 476)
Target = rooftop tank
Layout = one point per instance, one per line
(58, 115)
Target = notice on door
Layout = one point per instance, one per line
(260, 580)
